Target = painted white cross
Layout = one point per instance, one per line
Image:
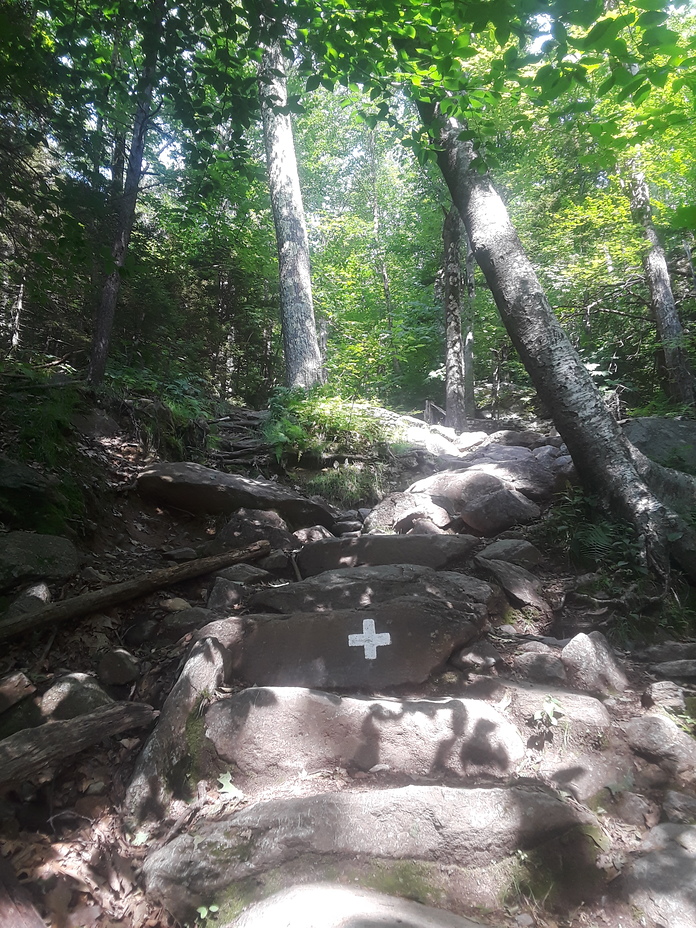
(369, 640)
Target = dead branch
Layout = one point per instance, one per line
(117, 593)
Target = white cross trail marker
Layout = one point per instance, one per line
(369, 640)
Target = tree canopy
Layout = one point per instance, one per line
(560, 100)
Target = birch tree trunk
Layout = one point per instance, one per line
(303, 367)
(380, 256)
(636, 489)
(103, 324)
(455, 407)
(680, 381)
(459, 324)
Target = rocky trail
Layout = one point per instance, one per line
(407, 714)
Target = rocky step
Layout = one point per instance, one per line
(329, 905)
(461, 847)
(398, 642)
(270, 734)
(361, 587)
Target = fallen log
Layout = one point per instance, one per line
(17, 909)
(117, 593)
(34, 748)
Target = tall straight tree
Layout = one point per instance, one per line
(103, 324)
(680, 381)
(303, 365)
(459, 335)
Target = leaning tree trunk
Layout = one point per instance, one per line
(303, 367)
(680, 381)
(606, 461)
(101, 337)
(459, 380)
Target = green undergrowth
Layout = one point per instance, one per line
(38, 404)
(348, 485)
(316, 423)
(170, 414)
(579, 534)
(577, 530)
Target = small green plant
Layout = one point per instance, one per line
(350, 485)
(205, 912)
(318, 422)
(549, 715)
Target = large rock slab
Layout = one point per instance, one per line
(659, 880)
(362, 587)
(422, 823)
(514, 551)
(271, 733)
(437, 551)
(161, 769)
(202, 489)
(532, 477)
(402, 641)
(485, 501)
(521, 586)
(28, 556)
(671, 442)
(330, 905)
(398, 511)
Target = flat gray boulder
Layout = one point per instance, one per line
(362, 587)
(486, 502)
(671, 442)
(330, 905)
(661, 741)
(424, 823)
(398, 511)
(271, 733)
(659, 880)
(591, 665)
(402, 641)
(523, 588)
(73, 695)
(202, 489)
(514, 551)
(28, 556)
(441, 552)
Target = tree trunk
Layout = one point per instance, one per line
(680, 382)
(380, 256)
(303, 366)
(101, 337)
(468, 333)
(459, 385)
(606, 462)
(455, 412)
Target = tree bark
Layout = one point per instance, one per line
(459, 399)
(130, 589)
(103, 324)
(32, 749)
(17, 909)
(380, 256)
(303, 367)
(679, 377)
(606, 462)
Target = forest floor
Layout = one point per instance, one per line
(63, 832)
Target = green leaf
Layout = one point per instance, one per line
(651, 18)
(313, 81)
(227, 787)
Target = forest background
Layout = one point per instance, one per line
(565, 103)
